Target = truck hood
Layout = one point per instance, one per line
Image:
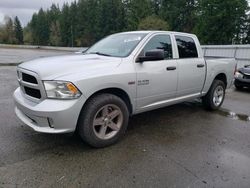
(54, 67)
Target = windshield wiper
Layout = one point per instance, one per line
(99, 53)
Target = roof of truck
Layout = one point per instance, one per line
(158, 31)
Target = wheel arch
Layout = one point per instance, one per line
(222, 77)
(117, 92)
(84, 123)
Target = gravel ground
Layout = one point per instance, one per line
(11, 56)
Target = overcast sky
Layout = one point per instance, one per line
(25, 8)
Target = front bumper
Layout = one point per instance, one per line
(242, 82)
(48, 116)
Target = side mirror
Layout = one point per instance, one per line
(152, 55)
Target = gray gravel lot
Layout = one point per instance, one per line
(178, 146)
(17, 55)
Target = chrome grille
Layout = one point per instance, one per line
(30, 85)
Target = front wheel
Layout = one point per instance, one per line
(103, 121)
(215, 96)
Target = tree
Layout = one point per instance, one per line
(137, 10)
(112, 17)
(18, 31)
(179, 14)
(55, 34)
(1, 33)
(27, 35)
(156, 6)
(246, 38)
(83, 22)
(53, 16)
(65, 25)
(88, 22)
(7, 33)
(153, 23)
(220, 21)
(40, 28)
(53, 13)
(73, 23)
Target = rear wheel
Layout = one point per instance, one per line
(103, 120)
(215, 96)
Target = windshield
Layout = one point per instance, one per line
(118, 45)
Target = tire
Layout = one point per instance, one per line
(212, 100)
(103, 120)
(238, 87)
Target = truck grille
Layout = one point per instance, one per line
(32, 92)
(247, 77)
(30, 84)
(28, 78)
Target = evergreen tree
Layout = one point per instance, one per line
(220, 22)
(137, 10)
(88, 21)
(55, 34)
(80, 27)
(27, 35)
(65, 25)
(112, 17)
(179, 14)
(53, 15)
(83, 22)
(40, 28)
(18, 31)
(73, 23)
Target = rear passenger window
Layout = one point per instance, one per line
(162, 42)
(186, 47)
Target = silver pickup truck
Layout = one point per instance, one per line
(124, 74)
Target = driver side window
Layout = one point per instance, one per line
(160, 42)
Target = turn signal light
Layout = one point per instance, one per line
(72, 88)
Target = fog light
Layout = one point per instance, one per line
(51, 122)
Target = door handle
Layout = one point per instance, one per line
(171, 68)
(200, 65)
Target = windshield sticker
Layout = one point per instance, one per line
(132, 39)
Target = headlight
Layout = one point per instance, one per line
(61, 90)
(238, 75)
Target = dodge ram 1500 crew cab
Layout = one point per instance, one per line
(96, 92)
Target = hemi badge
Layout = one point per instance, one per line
(131, 83)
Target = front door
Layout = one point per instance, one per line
(156, 80)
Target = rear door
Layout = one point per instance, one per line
(191, 64)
